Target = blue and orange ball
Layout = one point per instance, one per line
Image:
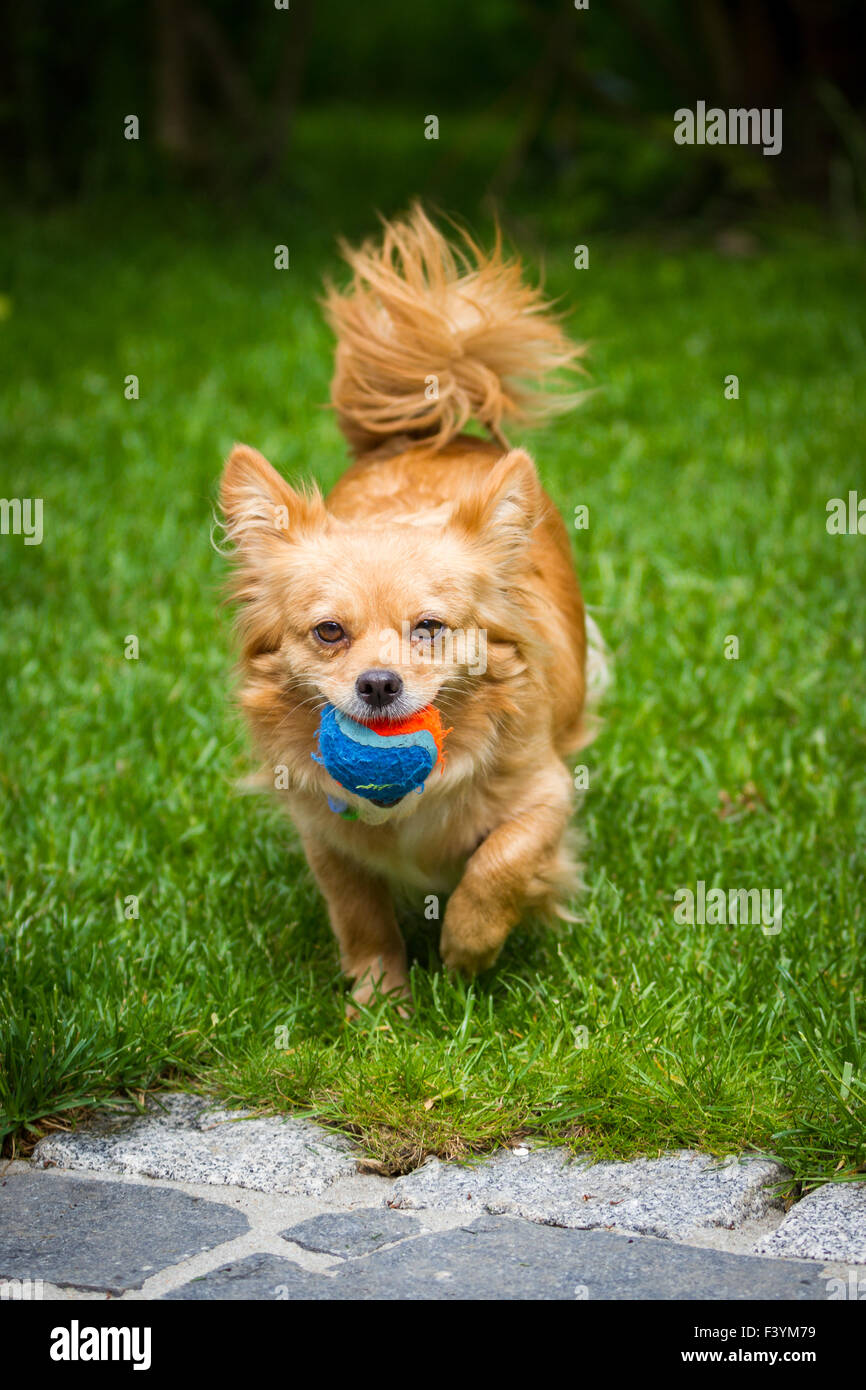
(384, 760)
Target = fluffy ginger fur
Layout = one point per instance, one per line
(419, 309)
(427, 525)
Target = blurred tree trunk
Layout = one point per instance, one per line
(190, 41)
(288, 90)
(173, 108)
(227, 72)
(666, 51)
(721, 49)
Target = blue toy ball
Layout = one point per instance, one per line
(380, 763)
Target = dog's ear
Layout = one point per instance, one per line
(263, 516)
(260, 508)
(501, 511)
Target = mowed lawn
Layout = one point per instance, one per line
(630, 1031)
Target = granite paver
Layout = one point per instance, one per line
(828, 1224)
(184, 1138)
(100, 1235)
(676, 1197)
(352, 1232)
(260, 1277)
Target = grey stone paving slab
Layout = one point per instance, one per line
(676, 1196)
(352, 1232)
(265, 1278)
(184, 1139)
(829, 1224)
(507, 1258)
(103, 1235)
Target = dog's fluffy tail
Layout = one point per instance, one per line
(432, 334)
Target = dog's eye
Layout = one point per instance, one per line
(426, 628)
(329, 632)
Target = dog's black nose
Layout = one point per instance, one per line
(379, 688)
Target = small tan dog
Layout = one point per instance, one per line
(431, 534)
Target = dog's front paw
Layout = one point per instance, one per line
(468, 944)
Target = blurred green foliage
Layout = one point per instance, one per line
(577, 103)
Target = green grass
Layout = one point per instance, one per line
(118, 776)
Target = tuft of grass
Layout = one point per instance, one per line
(626, 1033)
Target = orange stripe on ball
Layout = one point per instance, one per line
(427, 720)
